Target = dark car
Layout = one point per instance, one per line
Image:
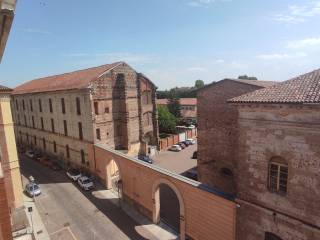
(186, 143)
(146, 159)
(192, 174)
(55, 166)
(37, 156)
(182, 145)
(195, 155)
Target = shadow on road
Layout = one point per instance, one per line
(44, 175)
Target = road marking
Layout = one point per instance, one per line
(74, 237)
(62, 229)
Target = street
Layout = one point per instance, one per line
(178, 162)
(70, 213)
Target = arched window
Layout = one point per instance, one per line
(271, 236)
(67, 151)
(226, 172)
(278, 175)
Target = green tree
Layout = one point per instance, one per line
(246, 77)
(199, 84)
(174, 104)
(166, 121)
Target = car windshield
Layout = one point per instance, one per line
(33, 187)
(74, 172)
(86, 181)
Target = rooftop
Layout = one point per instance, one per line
(302, 89)
(5, 89)
(73, 80)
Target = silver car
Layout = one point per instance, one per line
(33, 189)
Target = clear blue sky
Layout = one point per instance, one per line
(174, 42)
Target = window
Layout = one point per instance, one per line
(42, 125)
(31, 106)
(65, 127)
(33, 125)
(25, 120)
(17, 105)
(147, 119)
(83, 159)
(106, 110)
(226, 172)
(67, 151)
(78, 106)
(50, 105)
(96, 108)
(54, 146)
(27, 138)
(98, 134)
(35, 140)
(40, 105)
(44, 143)
(63, 107)
(19, 119)
(278, 176)
(80, 130)
(23, 106)
(52, 125)
(271, 236)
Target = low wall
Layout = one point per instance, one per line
(164, 143)
(205, 214)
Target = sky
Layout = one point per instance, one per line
(173, 42)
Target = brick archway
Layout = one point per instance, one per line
(113, 174)
(156, 204)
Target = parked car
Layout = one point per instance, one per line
(37, 156)
(21, 149)
(186, 143)
(45, 161)
(85, 183)
(55, 166)
(195, 155)
(74, 174)
(192, 174)
(32, 189)
(30, 154)
(191, 141)
(191, 126)
(182, 145)
(175, 148)
(146, 159)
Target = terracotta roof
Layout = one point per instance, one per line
(259, 83)
(302, 89)
(73, 80)
(5, 89)
(183, 101)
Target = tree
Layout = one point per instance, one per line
(245, 77)
(199, 83)
(174, 104)
(166, 121)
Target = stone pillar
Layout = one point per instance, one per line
(5, 223)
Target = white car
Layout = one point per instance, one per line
(192, 127)
(85, 183)
(191, 141)
(74, 174)
(175, 148)
(30, 154)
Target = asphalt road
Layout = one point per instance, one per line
(70, 213)
(178, 162)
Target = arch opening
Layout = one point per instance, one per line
(168, 206)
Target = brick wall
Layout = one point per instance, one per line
(204, 215)
(291, 132)
(217, 132)
(5, 224)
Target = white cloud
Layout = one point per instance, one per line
(299, 13)
(196, 69)
(304, 43)
(204, 3)
(37, 31)
(281, 56)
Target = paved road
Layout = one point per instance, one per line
(178, 162)
(70, 213)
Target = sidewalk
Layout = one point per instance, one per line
(39, 230)
(147, 229)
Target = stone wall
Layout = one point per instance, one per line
(291, 132)
(217, 133)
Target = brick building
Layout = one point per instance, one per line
(217, 130)
(278, 161)
(188, 107)
(64, 115)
